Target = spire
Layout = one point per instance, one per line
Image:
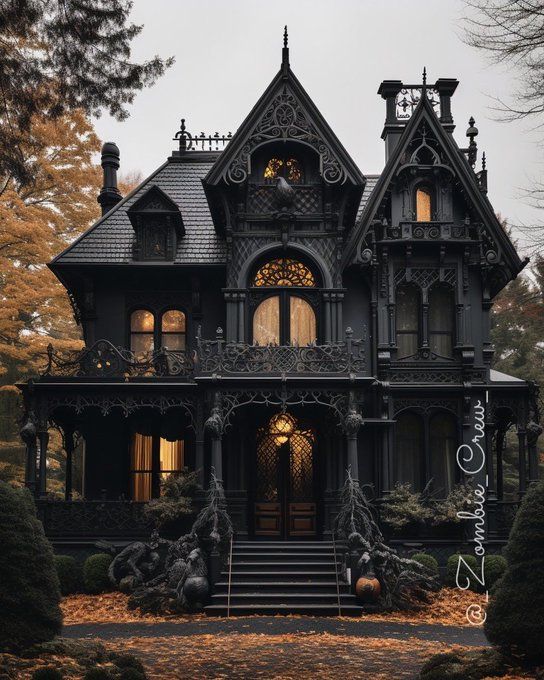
(285, 53)
(424, 77)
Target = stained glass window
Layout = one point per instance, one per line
(284, 272)
(289, 168)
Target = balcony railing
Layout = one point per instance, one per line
(104, 360)
(433, 231)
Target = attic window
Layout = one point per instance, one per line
(423, 204)
(288, 168)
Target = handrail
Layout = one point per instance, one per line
(336, 574)
(230, 576)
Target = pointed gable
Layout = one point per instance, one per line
(414, 149)
(285, 112)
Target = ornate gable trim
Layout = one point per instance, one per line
(503, 254)
(285, 112)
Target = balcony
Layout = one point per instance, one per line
(104, 361)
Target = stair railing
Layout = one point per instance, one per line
(336, 574)
(230, 575)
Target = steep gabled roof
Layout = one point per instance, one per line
(110, 239)
(285, 112)
(463, 171)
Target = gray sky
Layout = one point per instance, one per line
(228, 52)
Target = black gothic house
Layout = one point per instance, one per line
(260, 307)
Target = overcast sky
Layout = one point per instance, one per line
(228, 52)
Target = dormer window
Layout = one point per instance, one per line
(289, 168)
(423, 204)
(157, 224)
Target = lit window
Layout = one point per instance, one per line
(153, 458)
(266, 322)
(142, 332)
(173, 330)
(284, 272)
(423, 205)
(289, 168)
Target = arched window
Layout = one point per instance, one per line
(284, 318)
(173, 330)
(441, 320)
(287, 167)
(423, 204)
(407, 307)
(443, 447)
(284, 272)
(409, 449)
(142, 332)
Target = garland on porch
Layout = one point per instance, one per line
(405, 584)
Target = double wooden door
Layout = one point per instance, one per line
(285, 486)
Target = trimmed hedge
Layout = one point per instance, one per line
(464, 573)
(95, 573)
(29, 585)
(514, 616)
(69, 573)
(494, 568)
(427, 561)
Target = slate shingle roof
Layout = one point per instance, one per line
(371, 181)
(109, 240)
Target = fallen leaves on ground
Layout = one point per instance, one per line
(110, 608)
(447, 608)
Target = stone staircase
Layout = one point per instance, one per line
(283, 577)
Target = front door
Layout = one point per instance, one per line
(285, 487)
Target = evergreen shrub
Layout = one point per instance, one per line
(95, 573)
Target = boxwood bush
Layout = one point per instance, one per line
(451, 571)
(494, 568)
(69, 573)
(514, 620)
(95, 573)
(427, 561)
(29, 585)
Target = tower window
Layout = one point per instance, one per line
(289, 168)
(407, 321)
(423, 204)
(441, 320)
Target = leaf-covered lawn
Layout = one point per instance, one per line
(448, 608)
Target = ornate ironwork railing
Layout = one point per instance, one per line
(82, 519)
(201, 142)
(104, 360)
(218, 356)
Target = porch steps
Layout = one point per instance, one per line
(283, 577)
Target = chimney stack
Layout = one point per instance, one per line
(109, 194)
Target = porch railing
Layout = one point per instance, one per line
(104, 360)
(90, 519)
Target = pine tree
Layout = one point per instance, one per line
(58, 56)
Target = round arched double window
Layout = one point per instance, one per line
(283, 316)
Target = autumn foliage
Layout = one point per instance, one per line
(37, 221)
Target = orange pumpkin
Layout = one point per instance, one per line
(368, 589)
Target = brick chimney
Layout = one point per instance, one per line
(109, 194)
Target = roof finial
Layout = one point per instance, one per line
(424, 76)
(483, 161)
(285, 54)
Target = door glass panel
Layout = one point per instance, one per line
(301, 465)
(302, 322)
(266, 322)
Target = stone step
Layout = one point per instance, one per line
(296, 609)
(261, 586)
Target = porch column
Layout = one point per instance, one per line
(522, 461)
(69, 448)
(28, 435)
(199, 443)
(214, 425)
(352, 423)
(43, 439)
(501, 434)
(489, 430)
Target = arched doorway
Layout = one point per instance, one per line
(285, 479)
